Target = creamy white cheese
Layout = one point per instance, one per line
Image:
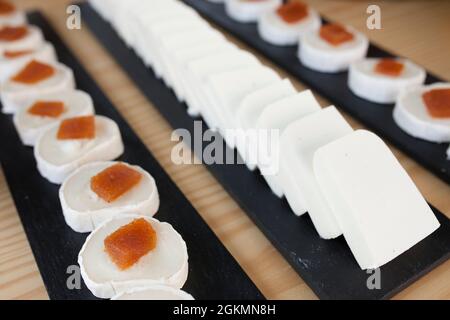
(166, 264)
(364, 82)
(299, 142)
(14, 94)
(273, 29)
(229, 88)
(279, 115)
(154, 292)
(57, 159)
(10, 66)
(200, 70)
(159, 23)
(31, 41)
(15, 18)
(145, 12)
(249, 11)
(180, 59)
(179, 41)
(160, 34)
(317, 54)
(411, 115)
(84, 210)
(30, 127)
(379, 209)
(248, 112)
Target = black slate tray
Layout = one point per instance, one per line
(328, 267)
(213, 272)
(377, 117)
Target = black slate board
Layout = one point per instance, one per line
(213, 272)
(376, 117)
(328, 267)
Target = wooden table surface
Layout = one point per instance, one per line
(416, 29)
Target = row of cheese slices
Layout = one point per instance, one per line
(348, 181)
(421, 111)
(129, 255)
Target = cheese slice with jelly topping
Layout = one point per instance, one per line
(66, 146)
(132, 251)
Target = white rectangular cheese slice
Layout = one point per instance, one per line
(377, 205)
(190, 82)
(180, 41)
(229, 88)
(299, 142)
(174, 35)
(201, 70)
(181, 58)
(135, 24)
(279, 115)
(248, 112)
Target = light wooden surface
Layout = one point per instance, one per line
(416, 29)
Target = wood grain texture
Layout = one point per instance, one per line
(425, 42)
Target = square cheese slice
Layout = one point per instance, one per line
(199, 72)
(164, 36)
(249, 109)
(203, 52)
(180, 58)
(179, 41)
(377, 205)
(299, 143)
(229, 88)
(279, 115)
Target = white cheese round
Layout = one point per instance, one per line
(154, 292)
(31, 41)
(10, 66)
(15, 18)
(273, 29)
(14, 94)
(30, 127)
(319, 55)
(166, 264)
(57, 159)
(84, 210)
(364, 82)
(411, 115)
(249, 11)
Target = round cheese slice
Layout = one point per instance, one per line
(14, 94)
(32, 40)
(364, 82)
(30, 126)
(249, 10)
(10, 16)
(411, 115)
(320, 55)
(154, 292)
(166, 264)
(84, 210)
(12, 62)
(275, 30)
(57, 159)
